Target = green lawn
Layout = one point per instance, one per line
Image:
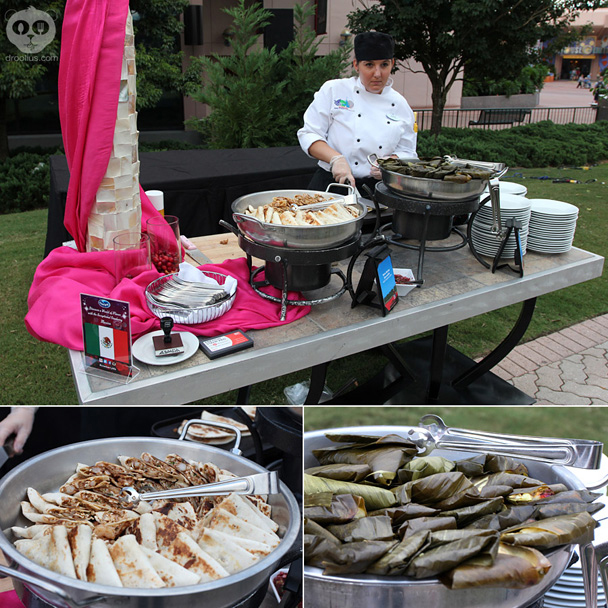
(36, 373)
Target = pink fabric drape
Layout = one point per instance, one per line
(92, 43)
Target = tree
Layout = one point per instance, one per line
(494, 38)
(258, 95)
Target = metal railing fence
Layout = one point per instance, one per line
(459, 118)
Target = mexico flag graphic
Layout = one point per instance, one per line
(107, 342)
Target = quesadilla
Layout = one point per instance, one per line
(144, 530)
(173, 574)
(167, 530)
(181, 512)
(187, 469)
(225, 420)
(184, 551)
(256, 548)
(80, 544)
(225, 551)
(50, 550)
(206, 434)
(224, 521)
(133, 566)
(111, 524)
(243, 508)
(101, 568)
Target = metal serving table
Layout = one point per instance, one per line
(456, 287)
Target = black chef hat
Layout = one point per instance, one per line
(370, 46)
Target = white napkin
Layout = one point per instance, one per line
(187, 272)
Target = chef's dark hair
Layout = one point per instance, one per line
(370, 46)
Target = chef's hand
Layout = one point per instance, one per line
(19, 422)
(375, 170)
(341, 171)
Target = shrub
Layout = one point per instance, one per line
(24, 182)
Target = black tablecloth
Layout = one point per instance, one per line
(199, 185)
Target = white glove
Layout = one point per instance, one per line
(375, 172)
(19, 422)
(341, 171)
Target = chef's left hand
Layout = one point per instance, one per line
(375, 170)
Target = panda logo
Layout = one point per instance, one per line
(30, 30)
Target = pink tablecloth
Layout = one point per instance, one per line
(54, 300)
(9, 599)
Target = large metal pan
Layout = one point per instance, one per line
(426, 188)
(362, 590)
(294, 237)
(48, 471)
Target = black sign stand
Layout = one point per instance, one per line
(369, 290)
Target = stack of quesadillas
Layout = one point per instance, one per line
(84, 532)
(211, 434)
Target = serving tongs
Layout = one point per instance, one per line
(258, 483)
(432, 433)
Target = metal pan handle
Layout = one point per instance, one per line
(220, 425)
(50, 588)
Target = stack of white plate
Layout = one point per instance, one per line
(510, 188)
(569, 590)
(511, 206)
(552, 226)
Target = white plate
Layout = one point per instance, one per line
(143, 349)
(551, 207)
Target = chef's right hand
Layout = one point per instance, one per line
(19, 422)
(341, 170)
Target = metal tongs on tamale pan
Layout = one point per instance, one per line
(432, 433)
(259, 483)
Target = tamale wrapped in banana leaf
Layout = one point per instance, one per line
(374, 497)
(411, 526)
(472, 496)
(354, 558)
(404, 512)
(341, 471)
(496, 463)
(384, 456)
(506, 479)
(363, 440)
(444, 557)
(342, 509)
(466, 515)
(433, 489)
(552, 531)
(366, 528)
(531, 496)
(423, 467)
(314, 529)
(566, 508)
(320, 499)
(580, 496)
(513, 568)
(315, 549)
(395, 562)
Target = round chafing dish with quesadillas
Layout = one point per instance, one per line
(49, 472)
(365, 573)
(331, 227)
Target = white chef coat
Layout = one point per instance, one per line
(357, 123)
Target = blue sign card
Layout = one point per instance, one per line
(106, 332)
(387, 284)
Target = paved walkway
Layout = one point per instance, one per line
(569, 367)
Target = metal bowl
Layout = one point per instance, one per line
(362, 590)
(48, 471)
(294, 237)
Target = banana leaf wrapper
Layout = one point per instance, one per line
(341, 471)
(577, 496)
(506, 518)
(312, 528)
(315, 549)
(495, 463)
(466, 515)
(533, 495)
(404, 512)
(551, 532)
(423, 467)
(472, 496)
(425, 523)
(567, 508)
(472, 467)
(342, 509)
(384, 459)
(513, 480)
(431, 562)
(354, 558)
(374, 497)
(366, 528)
(433, 489)
(395, 562)
(513, 568)
(442, 537)
(363, 440)
(321, 499)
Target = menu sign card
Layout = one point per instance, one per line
(386, 281)
(106, 330)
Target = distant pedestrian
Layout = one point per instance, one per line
(580, 82)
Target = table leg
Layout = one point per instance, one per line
(317, 383)
(502, 350)
(243, 395)
(440, 342)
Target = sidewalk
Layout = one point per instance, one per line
(569, 367)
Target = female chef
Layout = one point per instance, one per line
(351, 118)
